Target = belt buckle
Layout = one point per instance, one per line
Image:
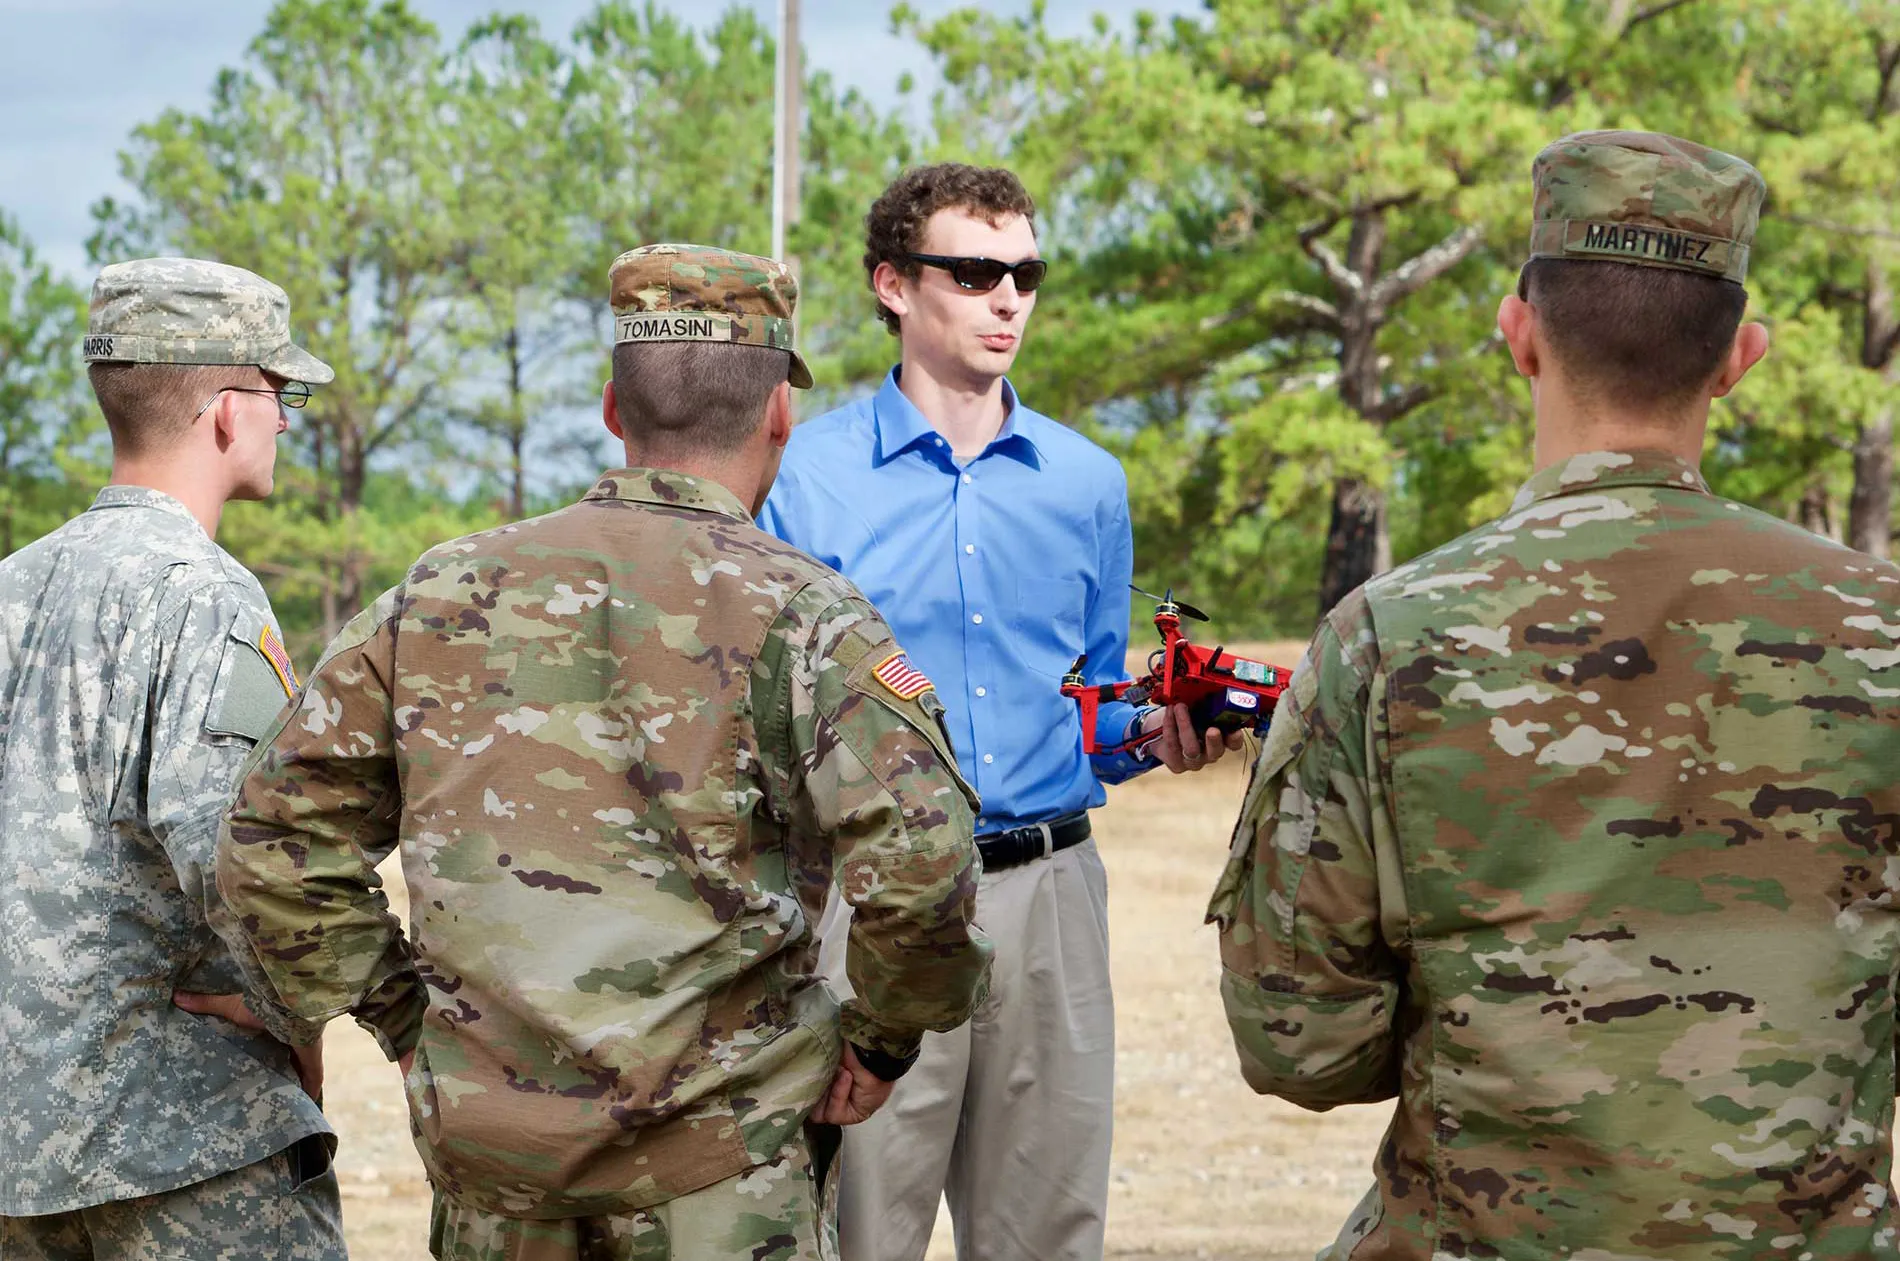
(1048, 840)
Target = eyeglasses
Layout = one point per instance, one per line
(294, 394)
(984, 274)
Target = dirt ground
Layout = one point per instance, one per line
(1202, 1167)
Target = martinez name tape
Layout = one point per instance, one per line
(1556, 238)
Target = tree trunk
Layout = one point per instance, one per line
(517, 428)
(1817, 511)
(1357, 545)
(1870, 510)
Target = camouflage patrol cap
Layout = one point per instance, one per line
(695, 293)
(188, 310)
(1644, 198)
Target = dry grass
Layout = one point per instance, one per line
(1202, 1167)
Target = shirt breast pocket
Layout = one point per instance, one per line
(1048, 622)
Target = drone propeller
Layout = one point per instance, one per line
(1186, 609)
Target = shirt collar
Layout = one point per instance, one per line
(900, 426)
(669, 488)
(1600, 470)
(117, 496)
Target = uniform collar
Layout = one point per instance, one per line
(669, 488)
(900, 426)
(1600, 470)
(118, 496)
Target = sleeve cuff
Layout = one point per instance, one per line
(863, 1036)
(392, 1014)
(1316, 1052)
(883, 1067)
(1115, 768)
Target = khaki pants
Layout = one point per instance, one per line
(276, 1208)
(783, 1210)
(1010, 1115)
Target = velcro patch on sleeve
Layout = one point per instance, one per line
(900, 678)
(279, 657)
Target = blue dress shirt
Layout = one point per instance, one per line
(995, 575)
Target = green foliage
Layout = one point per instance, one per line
(1279, 231)
(443, 217)
(49, 448)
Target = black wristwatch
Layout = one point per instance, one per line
(881, 1066)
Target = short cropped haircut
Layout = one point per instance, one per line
(148, 406)
(1637, 337)
(894, 229)
(694, 398)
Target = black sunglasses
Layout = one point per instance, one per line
(293, 394)
(984, 274)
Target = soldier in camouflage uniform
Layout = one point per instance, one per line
(624, 749)
(1578, 834)
(139, 663)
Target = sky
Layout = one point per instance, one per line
(77, 75)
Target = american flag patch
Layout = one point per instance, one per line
(904, 680)
(279, 657)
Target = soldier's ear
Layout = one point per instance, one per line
(610, 413)
(1517, 324)
(223, 418)
(778, 414)
(1750, 344)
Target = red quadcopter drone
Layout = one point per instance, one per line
(1221, 691)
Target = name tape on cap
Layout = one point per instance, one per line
(698, 326)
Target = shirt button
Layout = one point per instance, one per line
(977, 618)
(988, 758)
(966, 479)
(969, 549)
(982, 691)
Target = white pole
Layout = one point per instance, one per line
(779, 128)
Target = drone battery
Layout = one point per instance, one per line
(1230, 709)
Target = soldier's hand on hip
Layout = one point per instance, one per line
(310, 1069)
(855, 1094)
(234, 1008)
(231, 1007)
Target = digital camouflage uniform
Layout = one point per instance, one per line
(138, 665)
(624, 749)
(1578, 835)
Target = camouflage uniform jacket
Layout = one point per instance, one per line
(135, 674)
(1578, 835)
(624, 748)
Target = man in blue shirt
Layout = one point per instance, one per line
(996, 542)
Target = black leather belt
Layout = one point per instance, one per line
(1003, 850)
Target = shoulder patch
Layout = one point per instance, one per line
(251, 691)
(255, 678)
(279, 658)
(902, 679)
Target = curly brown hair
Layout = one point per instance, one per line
(895, 226)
